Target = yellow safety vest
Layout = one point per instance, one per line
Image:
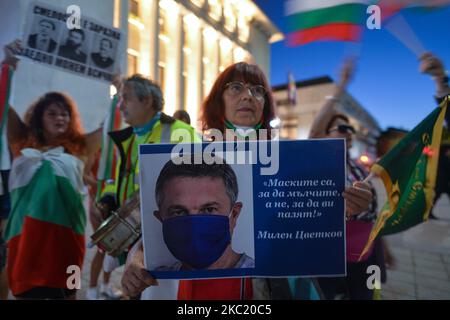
(127, 173)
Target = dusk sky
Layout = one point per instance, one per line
(387, 81)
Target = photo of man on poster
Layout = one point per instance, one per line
(103, 58)
(43, 40)
(72, 49)
(198, 209)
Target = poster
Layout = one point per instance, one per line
(264, 209)
(90, 51)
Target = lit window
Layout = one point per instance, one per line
(186, 43)
(170, 6)
(210, 34)
(134, 46)
(163, 41)
(192, 21)
(230, 18)
(163, 23)
(240, 55)
(243, 29)
(187, 56)
(226, 54)
(210, 58)
(215, 9)
(134, 8)
(162, 51)
(133, 61)
(116, 18)
(161, 71)
(162, 54)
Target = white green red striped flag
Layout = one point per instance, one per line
(318, 20)
(45, 231)
(391, 7)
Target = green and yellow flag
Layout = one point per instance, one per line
(408, 172)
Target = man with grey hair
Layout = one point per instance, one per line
(141, 106)
(198, 209)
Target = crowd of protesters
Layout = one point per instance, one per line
(42, 213)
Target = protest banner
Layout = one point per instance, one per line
(265, 208)
(89, 49)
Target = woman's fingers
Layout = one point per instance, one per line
(358, 197)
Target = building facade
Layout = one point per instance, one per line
(296, 115)
(185, 44)
(181, 44)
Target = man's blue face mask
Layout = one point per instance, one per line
(197, 240)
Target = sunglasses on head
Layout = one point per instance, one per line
(344, 128)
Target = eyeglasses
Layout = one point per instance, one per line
(344, 128)
(236, 88)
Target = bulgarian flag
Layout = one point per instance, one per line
(108, 156)
(409, 172)
(391, 7)
(315, 20)
(45, 231)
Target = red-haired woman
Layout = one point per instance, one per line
(240, 99)
(45, 232)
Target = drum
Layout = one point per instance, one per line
(117, 233)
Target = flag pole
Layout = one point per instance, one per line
(353, 50)
(402, 31)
